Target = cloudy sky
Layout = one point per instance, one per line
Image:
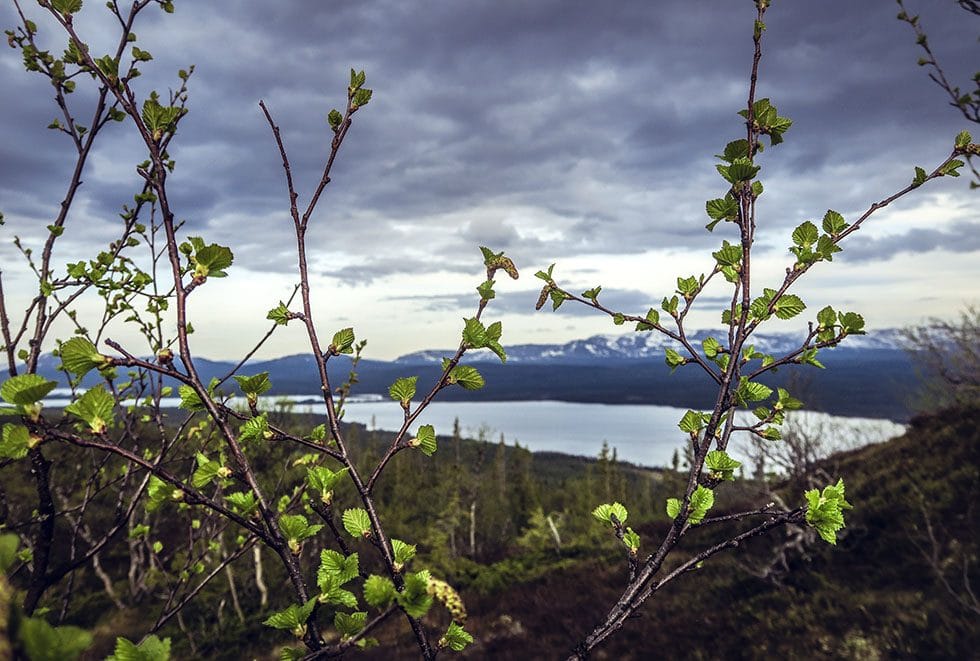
(573, 132)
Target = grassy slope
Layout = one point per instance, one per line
(873, 596)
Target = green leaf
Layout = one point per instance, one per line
(334, 118)
(189, 399)
(293, 617)
(279, 314)
(456, 638)
(687, 286)
(415, 597)
(8, 551)
(825, 511)
(673, 507)
(673, 359)
(476, 336)
(720, 209)
(788, 306)
(244, 502)
(827, 318)
(211, 261)
(207, 470)
(486, 291)
(607, 511)
(323, 480)
(379, 591)
(592, 294)
(403, 389)
(466, 376)
(95, 408)
(43, 642)
(719, 462)
(357, 523)
(403, 552)
(26, 389)
(751, 391)
(343, 341)
(735, 149)
(342, 568)
(158, 492)
(692, 422)
(852, 323)
(348, 624)
(425, 440)
(253, 386)
(151, 649)
(833, 223)
(79, 356)
(16, 441)
(963, 139)
(786, 401)
(652, 319)
(805, 235)
(701, 501)
(919, 178)
(66, 6)
(296, 528)
(728, 255)
(711, 347)
(631, 540)
(256, 428)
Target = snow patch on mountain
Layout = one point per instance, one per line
(645, 345)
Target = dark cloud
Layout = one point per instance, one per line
(522, 302)
(960, 237)
(547, 129)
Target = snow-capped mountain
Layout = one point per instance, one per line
(644, 345)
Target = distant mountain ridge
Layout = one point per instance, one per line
(866, 376)
(634, 346)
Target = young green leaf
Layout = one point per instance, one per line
(79, 356)
(456, 638)
(26, 389)
(701, 501)
(721, 464)
(692, 422)
(323, 481)
(357, 523)
(379, 591)
(95, 408)
(607, 511)
(342, 568)
(16, 441)
(403, 553)
(788, 306)
(348, 624)
(293, 617)
(673, 507)
(343, 341)
(466, 376)
(673, 359)
(189, 399)
(279, 314)
(415, 597)
(403, 389)
(825, 511)
(425, 440)
(151, 649)
(631, 540)
(253, 386)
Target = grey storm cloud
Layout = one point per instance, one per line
(597, 122)
(960, 237)
(628, 301)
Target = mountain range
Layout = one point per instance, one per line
(866, 376)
